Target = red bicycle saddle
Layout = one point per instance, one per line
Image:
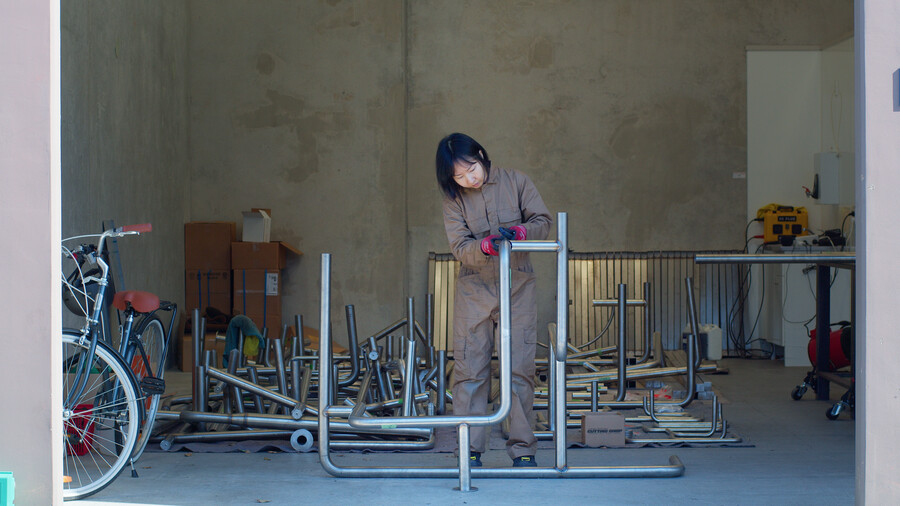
(142, 302)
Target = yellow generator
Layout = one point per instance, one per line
(781, 222)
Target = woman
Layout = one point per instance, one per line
(478, 200)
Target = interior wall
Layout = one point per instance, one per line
(630, 116)
(299, 107)
(124, 134)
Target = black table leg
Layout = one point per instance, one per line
(823, 329)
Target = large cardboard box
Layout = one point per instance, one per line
(207, 245)
(204, 289)
(271, 321)
(257, 292)
(603, 428)
(261, 255)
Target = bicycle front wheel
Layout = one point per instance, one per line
(101, 423)
(149, 331)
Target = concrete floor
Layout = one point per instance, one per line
(799, 457)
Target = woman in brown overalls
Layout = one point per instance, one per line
(478, 200)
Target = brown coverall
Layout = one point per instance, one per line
(506, 199)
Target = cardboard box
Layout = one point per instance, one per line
(261, 255)
(271, 321)
(204, 289)
(257, 226)
(207, 245)
(186, 350)
(603, 428)
(257, 292)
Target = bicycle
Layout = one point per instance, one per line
(111, 390)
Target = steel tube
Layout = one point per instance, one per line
(778, 258)
(353, 344)
(197, 346)
(429, 319)
(304, 388)
(536, 246)
(298, 328)
(559, 407)
(283, 422)
(615, 302)
(296, 408)
(409, 382)
(411, 326)
(441, 381)
(296, 374)
(551, 381)
(623, 352)
(166, 444)
(280, 376)
(234, 358)
(648, 323)
(562, 287)
(505, 373)
(257, 399)
(465, 475)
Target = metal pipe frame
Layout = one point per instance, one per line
(463, 472)
(353, 345)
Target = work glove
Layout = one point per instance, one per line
(490, 245)
(514, 233)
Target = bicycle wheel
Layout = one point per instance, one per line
(101, 424)
(152, 336)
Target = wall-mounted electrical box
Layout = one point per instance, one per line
(834, 180)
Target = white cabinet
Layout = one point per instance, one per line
(790, 302)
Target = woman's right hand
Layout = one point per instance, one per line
(490, 244)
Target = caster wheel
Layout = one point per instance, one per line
(798, 392)
(834, 411)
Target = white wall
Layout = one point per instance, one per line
(783, 126)
(30, 424)
(878, 273)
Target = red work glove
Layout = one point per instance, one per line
(490, 244)
(520, 232)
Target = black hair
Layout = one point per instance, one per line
(453, 148)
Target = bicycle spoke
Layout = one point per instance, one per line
(101, 427)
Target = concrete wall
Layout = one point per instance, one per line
(299, 107)
(125, 135)
(628, 115)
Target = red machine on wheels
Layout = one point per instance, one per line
(840, 355)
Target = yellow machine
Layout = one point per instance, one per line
(780, 222)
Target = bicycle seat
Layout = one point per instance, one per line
(142, 302)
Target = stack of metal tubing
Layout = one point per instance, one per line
(276, 397)
(584, 387)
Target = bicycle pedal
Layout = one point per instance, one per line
(153, 386)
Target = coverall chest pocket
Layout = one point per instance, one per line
(509, 217)
(478, 225)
